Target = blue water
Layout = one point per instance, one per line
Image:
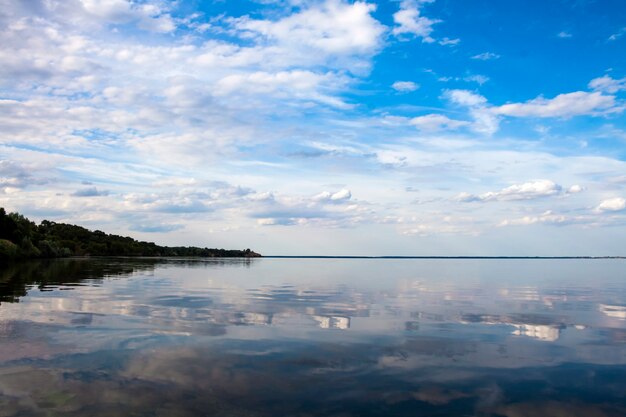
(313, 337)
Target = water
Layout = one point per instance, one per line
(313, 337)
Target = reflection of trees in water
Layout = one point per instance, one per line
(16, 278)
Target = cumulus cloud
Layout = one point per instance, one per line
(148, 16)
(485, 121)
(608, 84)
(436, 122)
(466, 98)
(564, 105)
(339, 196)
(88, 82)
(575, 189)
(487, 117)
(564, 35)
(199, 197)
(330, 27)
(526, 191)
(404, 86)
(326, 209)
(611, 204)
(409, 21)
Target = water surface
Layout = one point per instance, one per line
(313, 337)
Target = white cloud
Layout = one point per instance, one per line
(564, 35)
(575, 189)
(477, 78)
(484, 120)
(608, 84)
(174, 94)
(118, 11)
(449, 42)
(267, 222)
(148, 16)
(548, 217)
(296, 84)
(339, 196)
(404, 86)
(15, 176)
(466, 98)
(526, 191)
(331, 27)
(617, 34)
(486, 116)
(486, 56)
(409, 21)
(564, 105)
(440, 228)
(326, 209)
(436, 122)
(611, 204)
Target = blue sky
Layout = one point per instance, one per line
(321, 127)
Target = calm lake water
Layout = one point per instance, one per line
(313, 337)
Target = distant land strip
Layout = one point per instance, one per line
(439, 257)
(21, 238)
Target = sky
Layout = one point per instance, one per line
(321, 127)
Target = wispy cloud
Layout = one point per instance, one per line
(156, 228)
(90, 192)
(436, 122)
(449, 42)
(486, 56)
(526, 191)
(564, 105)
(615, 36)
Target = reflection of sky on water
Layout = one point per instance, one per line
(315, 337)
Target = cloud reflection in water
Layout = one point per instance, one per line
(314, 337)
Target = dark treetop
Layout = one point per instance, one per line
(22, 238)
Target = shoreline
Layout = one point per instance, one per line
(437, 257)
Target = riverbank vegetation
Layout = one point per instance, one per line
(21, 238)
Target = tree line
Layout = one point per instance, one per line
(21, 238)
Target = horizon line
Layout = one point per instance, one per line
(440, 257)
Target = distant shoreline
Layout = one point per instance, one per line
(440, 257)
(21, 238)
